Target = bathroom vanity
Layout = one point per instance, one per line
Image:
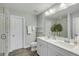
(51, 47)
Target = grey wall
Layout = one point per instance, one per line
(40, 25)
(31, 20)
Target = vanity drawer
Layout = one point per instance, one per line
(42, 47)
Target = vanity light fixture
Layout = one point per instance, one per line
(70, 4)
(73, 3)
(51, 11)
(63, 6)
(46, 13)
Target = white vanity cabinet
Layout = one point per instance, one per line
(47, 49)
(53, 51)
(41, 48)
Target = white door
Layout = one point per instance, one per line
(44, 50)
(16, 32)
(2, 35)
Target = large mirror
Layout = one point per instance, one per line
(67, 19)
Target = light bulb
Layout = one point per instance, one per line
(52, 11)
(46, 13)
(63, 6)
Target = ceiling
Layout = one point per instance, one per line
(70, 10)
(34, 8)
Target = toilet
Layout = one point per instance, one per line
(33, 46)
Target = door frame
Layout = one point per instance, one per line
(5, 33)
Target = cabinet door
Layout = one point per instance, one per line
(38, 47)
(52, 51)
(43, 50)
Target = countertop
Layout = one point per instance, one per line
(67, 46)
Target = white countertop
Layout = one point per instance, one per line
(72, 48)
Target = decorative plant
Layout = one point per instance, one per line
(56, 28)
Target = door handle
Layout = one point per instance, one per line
(3, 36)
(13, 35)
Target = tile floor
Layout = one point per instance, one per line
(23, 52)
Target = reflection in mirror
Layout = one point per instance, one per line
(75, 26)
(62, 21)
